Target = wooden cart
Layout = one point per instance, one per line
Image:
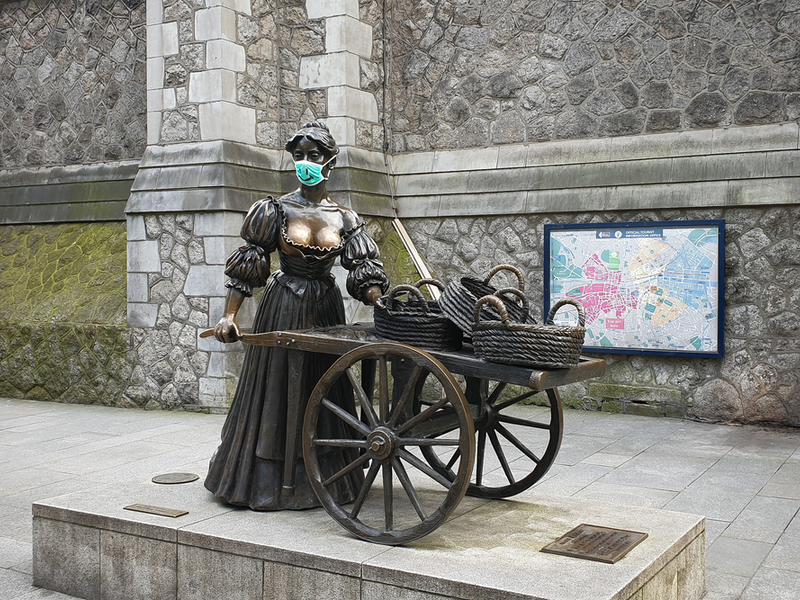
(419, 433)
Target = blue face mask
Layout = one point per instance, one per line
(310, 173)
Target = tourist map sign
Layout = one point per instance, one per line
(653, 287)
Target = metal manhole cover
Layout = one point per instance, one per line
(175, 478)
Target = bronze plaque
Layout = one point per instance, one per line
(592, 542)
(175, 478)
(156, 510)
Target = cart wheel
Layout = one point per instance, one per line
(390, 438)
(516, 446)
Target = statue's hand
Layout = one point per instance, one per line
(227, 330)
(373, 294)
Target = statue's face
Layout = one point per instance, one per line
(308, 149)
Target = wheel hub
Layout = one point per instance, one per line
(381, 443)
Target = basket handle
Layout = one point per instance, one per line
(408, 289)
(433, 282)
(561, 303)
(513, 269)
(490, 299)
(514, 292)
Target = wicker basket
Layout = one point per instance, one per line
(459, 298)
(544, 346)
(415, 321)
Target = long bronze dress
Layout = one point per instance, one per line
(247, 468)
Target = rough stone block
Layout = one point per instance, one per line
(212, 85)
(155, 12)
(227, 121)
(135, 229)
(326, 70)
(66, 558)
(138, 289)
(136, 568)
(143, 257)
(155, 73)
(225, 54)
(343, 130)
(719, 167)
(350, 102)
(782, 136)
(153, 127)
(162, 39)
(215, 23)
(288, 581)
(142, 315)
(346, 34)
(209, 224)
(242, 6)
(683, 143)
(783, 164)
(319, 9)
(205, 280)
(634, 392)
(204, 574)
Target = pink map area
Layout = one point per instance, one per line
(604, 295)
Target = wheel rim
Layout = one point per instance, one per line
(411, 498)
(514, 448)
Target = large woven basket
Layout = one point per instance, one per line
(415, 321)
(459, 298)
(544, 346)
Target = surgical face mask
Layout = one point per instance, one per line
(310, 173)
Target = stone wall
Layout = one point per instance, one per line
(759, 378)
(62, 326)
(72, 82)
(486, 72)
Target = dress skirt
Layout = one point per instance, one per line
(247, 468)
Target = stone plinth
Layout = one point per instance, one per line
(86, 545)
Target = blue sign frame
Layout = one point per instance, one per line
(670, 284)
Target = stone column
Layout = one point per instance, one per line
(200, 173)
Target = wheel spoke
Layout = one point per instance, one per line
(400, 470)
(346, 417)
(383, 392)
(498, 449)
(366, 403)
(347, 443)
(481, 453)
(351, 467)
(498, 389)
(407, 394)
(516, 399)
(427, 442)
(424, 467)
(365, 487)
(520, 446)
(453, 459)
(388, 496)
(522, 422)
(425, 414)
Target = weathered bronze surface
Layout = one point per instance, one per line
(156, 510)
(592, 542)
(171, 478)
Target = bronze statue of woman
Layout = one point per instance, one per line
(309, 231)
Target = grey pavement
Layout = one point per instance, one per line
(744, 480)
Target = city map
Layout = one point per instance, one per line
(644, 286)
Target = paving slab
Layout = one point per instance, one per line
(773, 584)
(487, 549)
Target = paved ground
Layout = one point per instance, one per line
(745, 480)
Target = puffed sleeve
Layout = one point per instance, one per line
(361, 257)
(248, 265)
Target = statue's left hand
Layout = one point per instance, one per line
(373, 294)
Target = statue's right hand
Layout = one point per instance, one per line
(227, 330)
